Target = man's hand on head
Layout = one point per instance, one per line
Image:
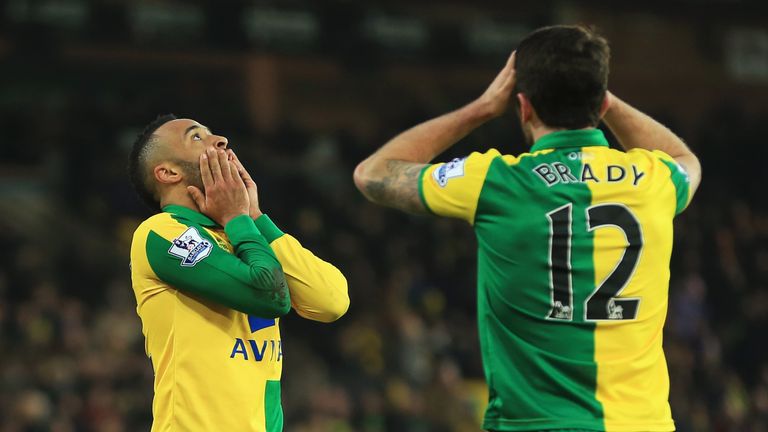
(253, 192)
(496, 97)
(226, 196)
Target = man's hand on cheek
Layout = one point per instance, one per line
(253, 193)
(226, 196)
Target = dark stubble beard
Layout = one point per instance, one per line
(191, 172)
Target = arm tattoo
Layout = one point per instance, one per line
(399, 188)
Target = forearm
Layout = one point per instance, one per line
(256, 287)
(268, 303)
(424, 142)
(389, 176)
(266, 277)
(634, 129)
(318, 289)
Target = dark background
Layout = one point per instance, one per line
(304, 90)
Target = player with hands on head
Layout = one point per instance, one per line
(574, 238)
(212, 276)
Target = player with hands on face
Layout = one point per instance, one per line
(212, 276)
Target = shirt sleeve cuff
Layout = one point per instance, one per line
(241, 229)
(422, 196)
(268, 228)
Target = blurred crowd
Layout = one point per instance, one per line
(405, 357)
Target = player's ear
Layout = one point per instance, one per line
(167, 173)
(526, 109)
(605, 104)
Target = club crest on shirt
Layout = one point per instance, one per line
(452, 169)
(190, 247)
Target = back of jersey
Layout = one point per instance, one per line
(574, 243)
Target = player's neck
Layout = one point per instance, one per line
(539, 131)
(180, 197)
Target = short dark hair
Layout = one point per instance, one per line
(137, 169)
(563, 70)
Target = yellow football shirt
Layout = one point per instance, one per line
(217, 368)
(574, 243)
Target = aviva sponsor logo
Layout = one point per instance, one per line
(267, 350)
(250, 349)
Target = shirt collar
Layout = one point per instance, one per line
(190, 215)
(571, 138)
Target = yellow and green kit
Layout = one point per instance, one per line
(209, 298)
(574, 243)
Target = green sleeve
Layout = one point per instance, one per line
(681, 182)
(250, 281)
(268, 228)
